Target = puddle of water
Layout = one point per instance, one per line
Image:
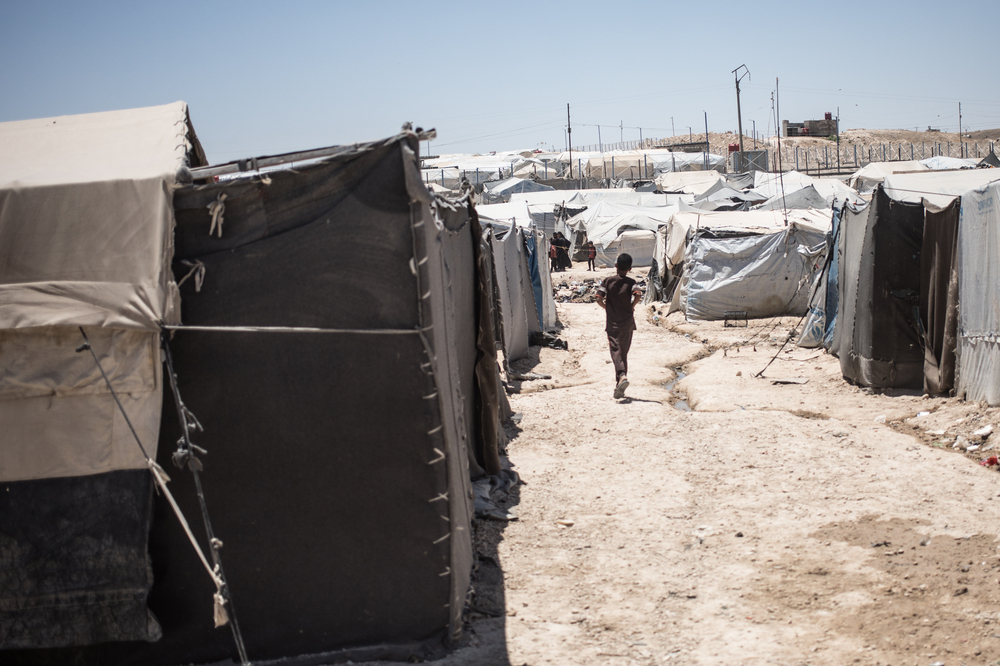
(679, 404)
(670, 385)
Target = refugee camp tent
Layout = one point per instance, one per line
(865, 179)
(605, 222)
(86, 228)
(512, 212)
(332, 350)
(695, 182)
(515, 290)
(940, 162)
(991, 161)
(939, 290)
(978, 330)
(500, 191)
(804, 197)
(771, 187)
(760, 275)
(881, 335)
(671, 250)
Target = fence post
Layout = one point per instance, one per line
(613, 167)
(911, 151)
(855, 156)
(796, 158)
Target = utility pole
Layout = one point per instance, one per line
(754, 134)
(838, 139)
(600, 145)
(569, 135)
(672, 132)
(707, 144)
(960, 152)
(621, 131)
(739, 112)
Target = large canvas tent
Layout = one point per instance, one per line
(337, 347)
(894, 295)
(86, 227)
(978, 330)
(673, 260)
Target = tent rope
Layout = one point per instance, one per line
(186, 454)
(221, 596)
(296, 329)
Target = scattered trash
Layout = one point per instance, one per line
(529, 376)
(791, 380)
(565, 523)
(972, 448)
(739, 534)
(935, 432)
(960, 443)
(516, 418)
(989, 462)
(541, 339)
(983, 432)
(880, 418)
(922, 414)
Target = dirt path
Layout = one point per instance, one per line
(774, 524)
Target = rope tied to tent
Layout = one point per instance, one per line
(216, 209)
(161, 478)
(186, 455)
(197, 270)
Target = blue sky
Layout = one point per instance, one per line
(270, 77)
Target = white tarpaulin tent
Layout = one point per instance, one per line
(514, 211)
(770, 186)
(762, 276)
(938, 188)
(604, 222)
(867, 177)
(502, 190)
(939, 162)
(688, 182)
(672, 238)
(978, 376)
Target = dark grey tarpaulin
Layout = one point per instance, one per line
(939, 296)
(337, 472)
(878, 337)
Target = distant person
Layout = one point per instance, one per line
(618, 295)
(591, 256)
(564, 245)
(553, 255)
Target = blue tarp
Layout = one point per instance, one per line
(536, 279)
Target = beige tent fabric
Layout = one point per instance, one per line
(86, 239)
(57, 416)
(86, 218)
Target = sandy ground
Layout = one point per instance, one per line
(775, 523)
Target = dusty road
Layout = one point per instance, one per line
(773, 524)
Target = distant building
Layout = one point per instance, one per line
(825, 127)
